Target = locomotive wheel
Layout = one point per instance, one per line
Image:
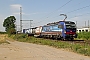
(72, 38)
(63, 39)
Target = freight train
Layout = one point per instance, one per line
(64, 30)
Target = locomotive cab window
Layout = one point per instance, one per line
(70, 25)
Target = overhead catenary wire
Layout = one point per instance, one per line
(78, 9)
(60, 7)
(79, 15)
(69, 11)
(55, 10)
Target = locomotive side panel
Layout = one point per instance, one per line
(51, 31)
(63, 30)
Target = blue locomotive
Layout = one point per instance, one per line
(65, 30)
(59, 30)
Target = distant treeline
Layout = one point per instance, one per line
(3, 33)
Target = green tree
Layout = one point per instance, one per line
(9, 23)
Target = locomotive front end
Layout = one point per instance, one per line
(70, 31)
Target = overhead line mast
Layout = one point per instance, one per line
(21, 19)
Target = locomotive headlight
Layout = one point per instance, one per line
(64, 31)
(74, 35)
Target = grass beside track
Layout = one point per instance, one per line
(3, 38)
(75, 47)
(1, 42)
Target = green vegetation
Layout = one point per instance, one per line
(84, 35)
(1, 42)
(3, 37)
(2, 32)
(83, 48)
(9, 24)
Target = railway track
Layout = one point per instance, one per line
(76, 41)
(83, 42)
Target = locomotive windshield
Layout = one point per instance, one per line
(70, 24)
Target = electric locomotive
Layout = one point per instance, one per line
(60, 30)
(68, 30)
(65, 30)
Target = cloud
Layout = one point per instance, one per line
(15, 7)
(18, 13)
(35, 13)
(32, 13)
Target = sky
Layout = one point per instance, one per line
(45, 11)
